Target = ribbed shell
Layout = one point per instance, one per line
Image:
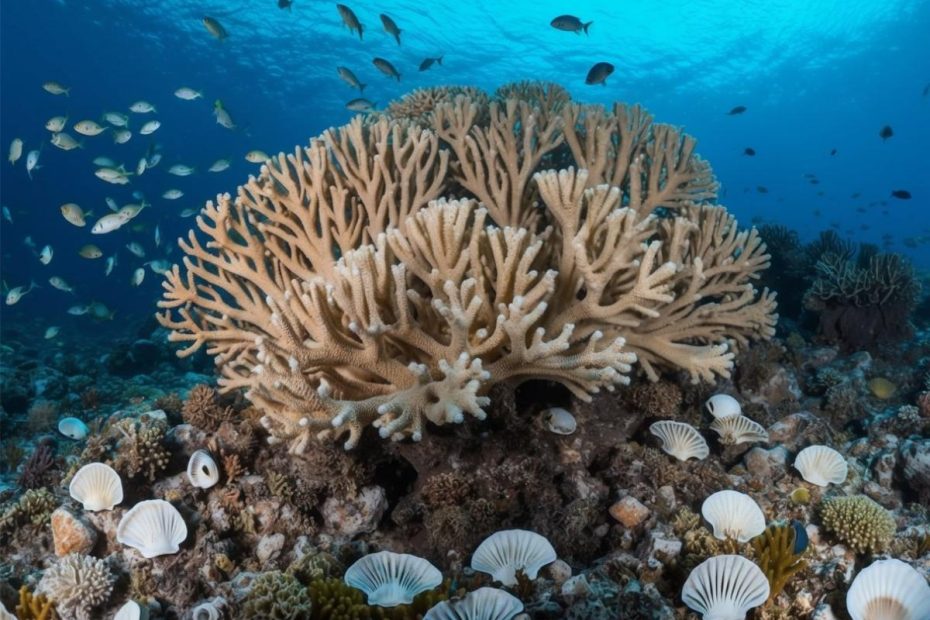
(725, 587)
(821, 465)
(681, 440)
(733, 515)
(208, 610)
(888, 590)
(503, 553)
(202, 470)
(481, 604)
(153, 527)
(723, 406)
(389, 579)
(73, 428)
(737, 429)
(130, 611)
(97, 486)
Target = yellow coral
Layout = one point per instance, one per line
(34, 606)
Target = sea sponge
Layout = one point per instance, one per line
(141, 450)
(276, 596)
(77, 583)
(858, 522)
(202, 409)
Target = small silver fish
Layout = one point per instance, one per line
(222, 115)
(66, 141)
(142, 107)
(181, 170)
(219, 165)
(136, 249)
(32, 162)
(187, 94)
(137, 276)
(15, 294)
(149, 128)
(16, 150)
(45, 256)
(215, 28)
(360, 105)
(60, 284)
(89, 128)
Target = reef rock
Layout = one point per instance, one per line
(71, 534)
(915, 457)
(629, 511)
(356, 515)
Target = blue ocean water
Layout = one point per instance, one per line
(818, 79)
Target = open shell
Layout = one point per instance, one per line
(821, 465)
(503, 553)
(737, 429)
(888, 590)
(97, 486)
(723, 406)
(733, 515)
(153, 527)
(481, 604)
(130, 611)
(725, 587)
(681, 440)
(390, 579)
(73, 428)
(202, 470)
(559, 421)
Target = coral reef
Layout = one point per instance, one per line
(141, 450)
(777, 554)
(859, 522)
(77, 584)
(34, 606)
(202, 409)
(276, 596)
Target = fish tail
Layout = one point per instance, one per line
(361, 87)
(439, 60)
(586, 26)
(397, 36)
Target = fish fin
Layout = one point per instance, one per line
(439, 60)
(361, 87)
(586, 26)
(397, 37)
(398, 77)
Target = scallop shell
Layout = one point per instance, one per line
(389, 579)
(209, 610)
(681, 440)
(4, 614)
(153, 527)
(737, 429)
(97, 486)
(723, 406)
(481, 604)
(821, 465)
(73, 428)
(559, 421)
(202, 470)
(725, 587)
(733, 515)
(130, 611)
(888, 590)
(503, 553)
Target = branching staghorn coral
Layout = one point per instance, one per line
(341, 291)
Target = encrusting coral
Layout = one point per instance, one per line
(859, 522)
(77, 583)
(340, 290)
(276, 596)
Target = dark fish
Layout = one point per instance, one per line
(861, 210)
(215, 28)
(360, 105)
(386, 68)
(349, 78)
(886, 132)
(820, 193)
(390, 27)
(926, 90)
(856, 195)
(749, 151)
(801, 540)
(350, 20)
(285, 4)
(599, 73)
(737, 110)
(570, 23)
(762, 189)
(833, 152)
(814, 182)
(903, 194)
(428, 62)
(817, 213)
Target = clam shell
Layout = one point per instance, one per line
(821, 465)
(725, 587)
(73, 428)
(97, 486)
(130, 611)
(733, 515)
(559, 421)
(481, 604)
(202, 470)
(503, 553)
(153, 527)
(723, 406)
(888, 590)
(681, 440)
(737, 429)
(389, 579)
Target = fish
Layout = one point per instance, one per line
(149, 128)
(56, 123)
(570, 23)
(737, 110)
(187, 94)
(901, 194)
(16, 150)
(285, 4)
(117, 176)
(222, 115)
(51, 332)
(56, 89)
(926, 90)
(111, 262)
(78, 310)
(45, 256)
(66, 141)
(219, 165)
(142, 107)
(749, 151)
(7, 215)
(428, 62)
(350, 20)
(111, 204)
(137, 276)
(157, 236)
(360, 105)
(136, 249)
(172, 194)
(29, 243)
(100, 311)
(140, 167)
(116, 119)
(215, 28)
(152, 160)
(886, 132)
(104, 162)
(90, 251)
(762, 189)
(59, 283)
(121, 136)
(32, 162)
(349, 78)
(189, 212)
(161, 267)
(386, 68)
(256, 157)
(832, 152)
(599, 73)
(15, 294)
(108, 223)
(132, 210)
(73, 214)
(89, 128)
(390, 27)
(181, 170)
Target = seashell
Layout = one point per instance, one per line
(733, 515)
(4, 614)
(559, 421)
(821, 465)
(737, 429)
(209, 610)
(723, 406)
(97, 486)
(153, 527)
(481, 604)
(389, 579)
(725, 587)
(131, 611)
(202, 470)
(888, 590)
(503, 553)
(73, 428)
(681, 440)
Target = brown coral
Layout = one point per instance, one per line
(202, 409)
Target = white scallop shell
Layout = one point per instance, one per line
(97, 486)
(503, 553)
(73, 428)
(821, 465)
(202, 470)
(723, 406)
(725, 587)
(733, 515)
(481, 604)
(559, 421)
(888, 590)
(130, 611)
(389, 579)
(4, 614)
(737, 429)
(681, 440)
(153, 527)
